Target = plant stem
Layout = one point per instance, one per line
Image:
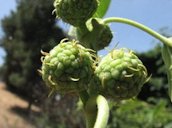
(84, 96)
(146, 29)
(97, 112)
(103, 112)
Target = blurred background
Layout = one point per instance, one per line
(27, 26)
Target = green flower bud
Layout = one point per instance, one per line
(121, 75)
(102, 33)
(68, 67)
(98, 35)
(75, 12)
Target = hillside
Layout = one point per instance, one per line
(13, 112)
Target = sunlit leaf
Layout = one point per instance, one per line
(102, 9)
(167, 57)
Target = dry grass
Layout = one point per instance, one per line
(10, 117)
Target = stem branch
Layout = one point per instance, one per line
(84, 96)
(146, 29)
(97, 112)
(103, 112)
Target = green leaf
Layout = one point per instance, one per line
(167, 58)
(102, 9)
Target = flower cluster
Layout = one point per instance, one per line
(69, 67)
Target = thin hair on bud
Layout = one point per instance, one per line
(75, 43)
(131, 52)
(140, 65)
(64, 40)
(74, 79)
(39, 71)
(94, 58)
(148, 78)
(50, 80)
(90, 50)
(133, 69)
(129, 75)
(108, 49)
(115, 47)
(53, 12)
(111, 51)
(44, 53)
(51, 92)
(42, 59)
(49, 64)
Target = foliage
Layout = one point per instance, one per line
(102, 9)
(138, 114)
(60, 112)
(156, 87)
(28, 30)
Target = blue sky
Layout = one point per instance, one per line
(153, 13)
(5, 8)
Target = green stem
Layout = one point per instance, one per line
(97, 112)
(146, 29)
(103, 113)
(84, 96)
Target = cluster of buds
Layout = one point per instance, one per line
(71, 67)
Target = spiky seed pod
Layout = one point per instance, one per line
(121, 75)
(67, 67)
(75, 12)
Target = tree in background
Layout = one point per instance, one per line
(28, 30)
(157, 86)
